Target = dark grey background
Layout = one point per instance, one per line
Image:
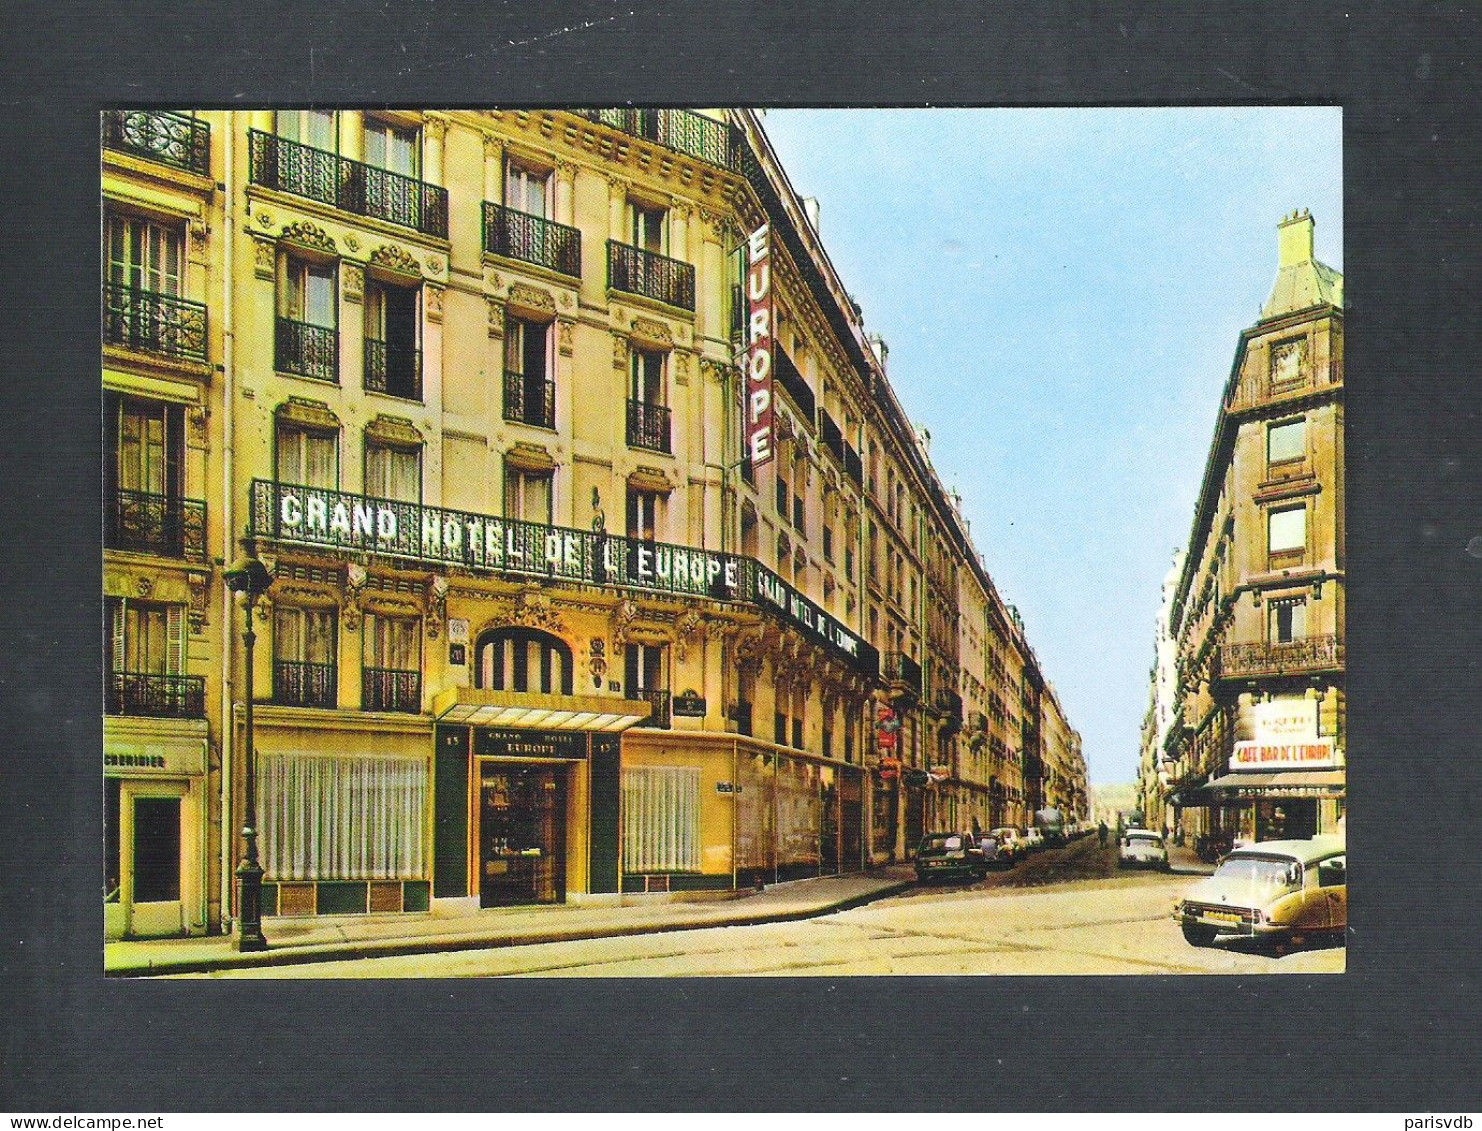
(1398, 1031)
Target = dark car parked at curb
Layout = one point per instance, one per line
(949, 854)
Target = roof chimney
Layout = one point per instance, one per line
(882, 351)
(811, 207)
(1295, 239)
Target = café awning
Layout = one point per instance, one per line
(539, 712)
(1278, 783)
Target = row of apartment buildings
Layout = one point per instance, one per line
(1244, 734)
(467, 383)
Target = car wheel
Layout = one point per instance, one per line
(1197, 935)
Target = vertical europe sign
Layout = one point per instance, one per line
(758, 438)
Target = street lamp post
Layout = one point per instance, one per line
(250, 579)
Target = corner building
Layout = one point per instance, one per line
(538, 631)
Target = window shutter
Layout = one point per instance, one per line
(175, 640)
(117, 611)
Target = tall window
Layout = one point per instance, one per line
(308, 127)
(529, 393)
(644, 666)
(148, 445)
(661, 819)
(1288, 620)
(145, 638)
(304, 657)
(523, 660)
(646, 376)
(393, 148)
(527, 191)
(648, 229)
(394, 643)
(1286, 442)
(307, 457)
(393, 359)
(643, 514)
(308, 293)
(145, 255)
(393, 472)
(1288, 530)
(527, 495)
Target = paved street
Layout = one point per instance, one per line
(1066, 911)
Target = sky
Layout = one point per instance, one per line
(1062, 291)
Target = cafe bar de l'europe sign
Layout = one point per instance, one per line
(1286, 738)
(321, 517)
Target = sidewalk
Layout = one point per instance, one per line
(1183, 861)
(325, 938)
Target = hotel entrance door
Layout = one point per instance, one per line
(522, 834)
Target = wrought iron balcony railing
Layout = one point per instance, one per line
(393, 369)
(660, 700)
(1306, 655)
(155, 323)
(532, 239)
(155, 696)
(352, 186)
(648, 426)
(160, 135)
(391, 689)
(307, 350)
(683, 131)
(530, 400)
(900, 668)
(299, 684)
(143, 523)
(647, 273)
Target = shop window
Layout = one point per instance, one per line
(305, 669)
(527, 191)
(1288, 620)
(527, 495)
(308, 127)
(644, 509)
(342, 817)
(523, 660)
(307, 457)
(1286, 442)
(1288, 530)
(661, 819)
(393, 148)
(393, 472)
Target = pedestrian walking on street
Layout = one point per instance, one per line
(1101, 832)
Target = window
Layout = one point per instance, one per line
(393, 359)
(393, 148)
(527, 191)
(304, 657)
(308, 293)
(156, 849)
(523, 660)
(643, 514)
(1288, 530)
(393, 472)
(661, 819)
(647, 376)
(828, 544)
(527, 495)
(307, 341)
(529, 394)
(148, 441)
(308, 127)
(145, 638)
(1288, 620)
(144, 255)
(644, 668)
(394, 643)
(307, 457)
(648, 229)
(1333, 873)
(748, 531)
(1286, 441)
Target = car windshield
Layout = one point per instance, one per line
(1143, 838)
(1261, 870)
(942, 842)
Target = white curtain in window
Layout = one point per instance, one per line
(661, 819)
(334, 818)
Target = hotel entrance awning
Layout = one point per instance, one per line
(539, 712)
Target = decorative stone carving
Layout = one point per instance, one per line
(652, 333)
(563, 336)
(264, 219)
(198, 417)
(434, 264)
(533, 610)
(265, 257)
(496, 318)
(597, 662)
(352, 241)
(531, 299)
(618, 185)
(622, 620)
(566, 170)
(354, 587)
(619, 350)
(394, 258)
(493, 148)
(309, 234)
(352, 278)
(435, 128)
(437, 606)
(143, 586)
(195, 612)
(198, 232)
(716, 371)
(434, 298)
(688, 629)
(681, 369)
(566, 300)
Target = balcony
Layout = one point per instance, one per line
(150, 695)
(298, 684)
(901, 669)
(683, 131)
(1309, 655)
(351, 186)
(828, 430)
(391, 689)
(154, 323)
(648, 426)
(307, 350)
(532, 239)
(160, 135)
(530, 400)
(142, 523)
(659, 701)
(790, 379)
(853, 466)
(651, 275)
(395, 370)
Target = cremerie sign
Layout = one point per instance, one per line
(760, 323)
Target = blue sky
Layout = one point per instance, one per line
(1061, 291)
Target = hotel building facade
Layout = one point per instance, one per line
(469, 385)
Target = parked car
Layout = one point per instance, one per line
(1034, 839)
(1275, 889)
(1011, 844)
(988, 845)
(948, 854)
(1142, 848)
